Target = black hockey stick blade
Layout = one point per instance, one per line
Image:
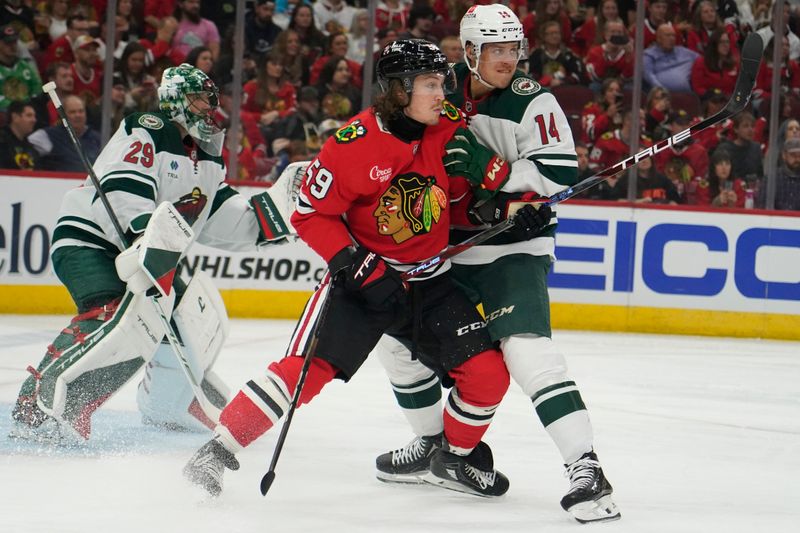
(266, 482)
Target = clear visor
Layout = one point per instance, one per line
(504, 52)
(443, 82)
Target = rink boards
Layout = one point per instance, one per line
(619, 268)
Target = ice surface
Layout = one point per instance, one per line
(696, 435)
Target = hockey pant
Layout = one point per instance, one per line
(480, 384)
(535, 364)
(93, 358)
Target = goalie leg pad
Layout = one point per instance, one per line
(165, 397)
(93, 358)
(416, 387)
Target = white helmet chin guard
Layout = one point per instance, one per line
(494, 23)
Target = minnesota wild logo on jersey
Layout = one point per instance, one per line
(523, 86)
(191, 205)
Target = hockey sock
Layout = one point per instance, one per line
(262, 401)
(481, 383)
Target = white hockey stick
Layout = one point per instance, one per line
(752, 51)
(209, 409)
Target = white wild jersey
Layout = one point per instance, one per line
(144, 164)
(525, 125)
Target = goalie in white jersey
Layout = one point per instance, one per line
(518, 148)
(158, 170)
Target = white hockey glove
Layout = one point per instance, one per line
(274, 207)
(153, 258)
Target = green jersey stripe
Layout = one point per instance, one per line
(557, 174)
(136, 188)
(129, 173)
(79, 220)
(71, 232)
(223, 194)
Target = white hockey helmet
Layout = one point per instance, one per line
(493, 23)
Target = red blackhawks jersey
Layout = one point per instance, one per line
(369, 187)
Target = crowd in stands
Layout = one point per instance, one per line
(303, 78)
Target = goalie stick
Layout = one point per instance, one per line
(751, 53)
(209, 409)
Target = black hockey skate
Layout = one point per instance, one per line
(589, 495)
(472, 474)
(207, 466)
(410, 463)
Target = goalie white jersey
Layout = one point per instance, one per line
(145, 163)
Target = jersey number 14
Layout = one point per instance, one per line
(549, 131)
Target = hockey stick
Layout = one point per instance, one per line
(269, 477)
(209, 409)
(752, 51)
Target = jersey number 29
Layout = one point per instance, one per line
(318, 179)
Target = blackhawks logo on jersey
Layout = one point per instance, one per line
(191, 205)
(525, 86)
(350, 132)
(450, 111)
(410, 206)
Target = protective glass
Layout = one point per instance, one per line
(436, 82)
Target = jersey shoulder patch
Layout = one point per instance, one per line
(350, 132)
(607, 135)
(450, 111)
(524, 86)
(150, 121)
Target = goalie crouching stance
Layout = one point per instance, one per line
(162, 174)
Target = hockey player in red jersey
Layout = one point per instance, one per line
(375, 203)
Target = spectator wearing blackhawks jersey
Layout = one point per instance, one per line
(612, 147)
(690, 151)
(164, 162)
(611, 59)
(375, 203)
(15, 151)
(604, 114)
(552, 63)
(519, 132)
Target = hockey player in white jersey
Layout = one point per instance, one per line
(518, 148)
(157, 170)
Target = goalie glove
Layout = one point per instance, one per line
(272, 226)
(468, 158)
(151, 261)
(365, 273)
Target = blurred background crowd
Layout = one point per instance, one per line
(305, 65)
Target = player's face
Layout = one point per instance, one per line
(426, 99)
(498, 62)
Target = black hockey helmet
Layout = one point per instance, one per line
(406, 59)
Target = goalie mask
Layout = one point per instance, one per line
(406, 59)
(189, 97)
(496, 23)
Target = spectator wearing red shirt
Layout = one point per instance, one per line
(545, 11)
(61, 74)
(604, 114)
(721, 189)
(658, 107)
(61, 49)
(612, 146)
(155, 11)
(704, 22)
(87, 73)
(692, 153)
(337, 44)
(713, 101)
(717, 68)
(392, 14)
(614, 58)
(657, 14)
(267, 98)
(789, 76)
(591, 32)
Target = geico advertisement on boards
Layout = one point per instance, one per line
(615, 255)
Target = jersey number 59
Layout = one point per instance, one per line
(318, 179)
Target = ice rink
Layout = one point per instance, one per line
(696, 434)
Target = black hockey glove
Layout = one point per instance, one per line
(532, 216)
(367, 274)
(530, 220)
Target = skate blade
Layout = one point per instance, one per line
(48, 434)
(601, 510)
(405, 479)
(431, 479)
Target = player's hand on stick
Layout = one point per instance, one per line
(468, 158)
(530, 220)
(367, 274)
